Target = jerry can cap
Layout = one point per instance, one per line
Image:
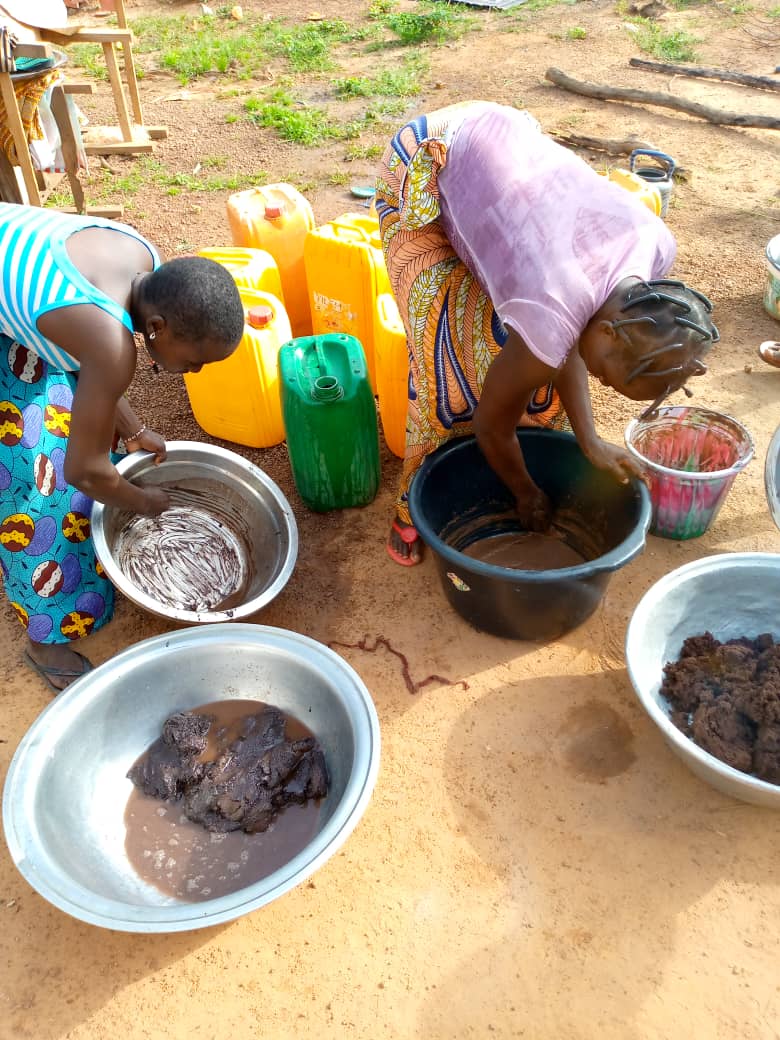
(272, 211)
(260, 316)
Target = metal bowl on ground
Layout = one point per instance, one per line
(238, 497)
(729, 595)
(456, 498)
(66, 790)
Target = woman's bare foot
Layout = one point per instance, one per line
(770, 352)
(403, 545)
(56, 663)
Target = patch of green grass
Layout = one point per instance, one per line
(89, 57)
(434, 22)
(773, 12)
(673, 46)
(380, 8)
(306, 126)
(356, 152)
(307, 47)
(215, 162)
(339, 178)
(193, 46)
(157, 33)
(576, 33)
(148, 171)
(381, 109)
(400, 82)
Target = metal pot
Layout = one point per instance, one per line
(66, 789)
(239, 495)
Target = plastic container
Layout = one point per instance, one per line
(659, 173)
(345, 272)
(277, 218)
(647, 193)
(772, 291)
(691, 456)
(238, 399)
(456, 490)
(251, 268)
(391, 356)
(330, 421)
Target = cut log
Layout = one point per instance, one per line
(701, 72)
(601, 144)
(647, 97)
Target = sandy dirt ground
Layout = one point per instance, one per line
(535, 862)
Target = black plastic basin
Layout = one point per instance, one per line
(456, 491)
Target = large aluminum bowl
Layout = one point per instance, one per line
(66, 790)
(729, 595)
(239, 494)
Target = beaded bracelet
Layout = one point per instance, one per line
(136, 435)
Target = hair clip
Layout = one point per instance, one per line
(657, 297)
(679, 320)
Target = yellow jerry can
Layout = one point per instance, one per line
(251, 268)
(345, 273)
(392, 372)
(277, 218)
(646, 192)
(238, 399)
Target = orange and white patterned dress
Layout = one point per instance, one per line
(452, 329)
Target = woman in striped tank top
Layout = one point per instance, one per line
(74, 291)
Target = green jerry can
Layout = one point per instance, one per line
(330, 421)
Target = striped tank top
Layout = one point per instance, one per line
(39, 276)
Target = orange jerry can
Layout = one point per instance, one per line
(277, 218)
(391, 354)
(345, 272)
(238, 399)
(251, 268)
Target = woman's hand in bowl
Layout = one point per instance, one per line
(156, 501)
(148, 440)
(616, 461)
(534, 509)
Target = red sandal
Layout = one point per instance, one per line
(409, 536)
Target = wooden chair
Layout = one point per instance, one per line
(131, 135)
(37, 185)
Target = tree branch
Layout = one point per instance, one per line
(646, 97)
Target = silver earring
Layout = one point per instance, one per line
(152, 335)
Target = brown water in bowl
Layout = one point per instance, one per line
(183, 859)
(525, 551)
(496, 538)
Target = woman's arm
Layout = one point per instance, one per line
(93, 417)
(513, 376)
(571, 382)
(135, 434)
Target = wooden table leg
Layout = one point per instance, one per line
(16, 127)
(118, 91)
(70, 147)
(9, 185)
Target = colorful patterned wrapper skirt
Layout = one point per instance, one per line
(52, 579)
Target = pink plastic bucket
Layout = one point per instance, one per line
(691, 456)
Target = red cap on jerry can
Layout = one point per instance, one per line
(259, 317)
(272, 211)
